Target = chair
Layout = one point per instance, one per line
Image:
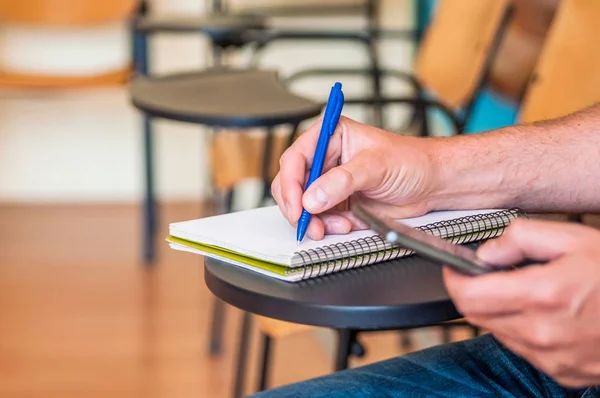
(65, 15)
(566, 77)
(226, 30)
(488, 18)
(452, 63)
(237, 157)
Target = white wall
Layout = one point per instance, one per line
(85, 145)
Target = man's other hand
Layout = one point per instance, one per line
(549, 314)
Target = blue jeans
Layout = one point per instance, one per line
(479, 367)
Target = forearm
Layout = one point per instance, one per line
(552, 166)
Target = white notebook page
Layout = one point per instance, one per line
(264, 233)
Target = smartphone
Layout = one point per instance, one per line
(441, 251)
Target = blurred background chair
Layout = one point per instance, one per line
(230, 29)
(453, 63)
(56, 19)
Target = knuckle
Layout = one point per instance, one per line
(345, 176)
(283, 159)
(548, 296)
(275, 187)
(461, 302)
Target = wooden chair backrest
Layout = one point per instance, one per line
(65, 13)
(237, 156)
(567, 74)
(454, 52)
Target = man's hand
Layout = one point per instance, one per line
(549, 314)
(385, 172)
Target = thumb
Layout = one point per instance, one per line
(337, 184)
(529, 239)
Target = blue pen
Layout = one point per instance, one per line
(333, 111)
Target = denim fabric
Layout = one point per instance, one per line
(479, 367)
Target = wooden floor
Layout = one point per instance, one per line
(80, 316)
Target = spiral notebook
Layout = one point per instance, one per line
(263, 241)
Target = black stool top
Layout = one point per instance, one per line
(214, 25)
(399, 294)
(222, 97)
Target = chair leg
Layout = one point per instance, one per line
(150, 213)
(264, 362)
(140, 55)
(405, 340)
(376, 82)
(266, 165)
(242, 357)
(346, 338)
(216, 327)
(446, 334)
(223, 205)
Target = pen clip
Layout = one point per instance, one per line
(337, 102)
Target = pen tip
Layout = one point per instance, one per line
(297, 243)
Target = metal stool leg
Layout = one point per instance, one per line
(405, 340)
(446, 334)
(264, 362)
(217, 326)
(140, 54)
(224, 205)
(346, 338)
(242, 357)
(150, 213)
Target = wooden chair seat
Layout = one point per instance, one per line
(66, 13)
(21, 80)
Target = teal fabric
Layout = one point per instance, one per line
(491, 111)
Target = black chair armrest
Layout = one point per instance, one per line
(418, 103)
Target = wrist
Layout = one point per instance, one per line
(466, 174)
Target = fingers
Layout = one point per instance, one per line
(529, 239)
(505, 293)
(316, 228)
(336, 224)
(337, 184)
(293, 166)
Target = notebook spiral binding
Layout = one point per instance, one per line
(365, 251)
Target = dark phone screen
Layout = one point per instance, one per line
(441, 251)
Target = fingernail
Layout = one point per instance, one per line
(316, 200)
(334, 225)
(288, 210)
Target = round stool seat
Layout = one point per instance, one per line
(217, 26)
(398, 294)
(223, 97)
